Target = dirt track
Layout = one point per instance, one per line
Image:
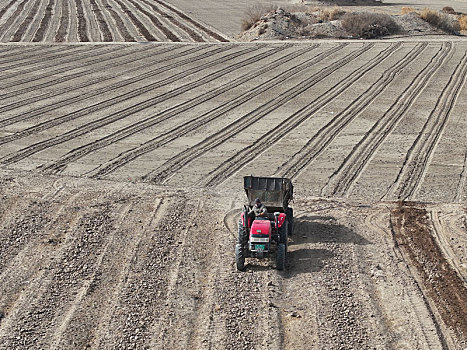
(121, 181)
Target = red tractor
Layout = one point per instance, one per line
(265, 235)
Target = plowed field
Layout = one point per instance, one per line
(121, 171)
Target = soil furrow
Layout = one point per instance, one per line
(13, 53)
(177, 162)
(119, 22)
(27, 21)
(117, 58)
(443, 289)
(316, 145)
(232, 165)
(418, 157)
(169, 35)
(67, 274)
(141, 303)
(103, 26)
(62, 30)
(26, 152)
(117, 99)
(7, 6)
(82, 25)
(39, 36)
(141, 28)
(195, 23)
(195, 36)
(6, 27)
(342, 179)
(50, 53)
(188, 126)
(131, 245)
(80, 152)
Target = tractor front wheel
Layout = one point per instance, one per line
(280, 256)
(240, 257)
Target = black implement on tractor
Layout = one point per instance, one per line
(261, 236)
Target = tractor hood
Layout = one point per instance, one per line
(261, 227)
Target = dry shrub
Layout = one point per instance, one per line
(369, 25)
(439, 20)
(448, 9)
(254, 13)
(463, 22)
(406, 10)
(330, 13)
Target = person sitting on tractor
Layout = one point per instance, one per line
(258, 210)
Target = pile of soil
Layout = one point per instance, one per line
(282, 24)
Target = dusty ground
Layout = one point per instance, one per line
(101, 264)
(120, 180)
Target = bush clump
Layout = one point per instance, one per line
(254, 13)
(369, 25)
(439, 20)
(463, 22)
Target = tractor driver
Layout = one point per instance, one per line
(258, 209)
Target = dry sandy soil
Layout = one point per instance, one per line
(121, 172)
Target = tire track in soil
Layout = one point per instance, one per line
(119, 22)
(341, 180)
(39, 35)
(193, 22)
(439, 232)
(50, 58)
(169, 34)
(53, 53)
(182, 129)
(5, 27)
(82, 25)
(321, 140)
(99, 62)
(117, 99)
(84, 129)
(131, 245)
(62, 30)
(174, 164)
(103, 26)
(68, 66)
(193, 35)
(9, 51)
(462, 182)
(231, 166)
(141, 28)
(419, 156)
(442, 289)
(68, 273)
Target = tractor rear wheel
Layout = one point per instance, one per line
(280, 256)
(242, 234)
(240, 257)
(289, 215)
(283, 234)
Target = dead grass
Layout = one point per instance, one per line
(369, 25)
(326, 14)
(440, 20)
(254, 13)
(463, 22)
(406, 10)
